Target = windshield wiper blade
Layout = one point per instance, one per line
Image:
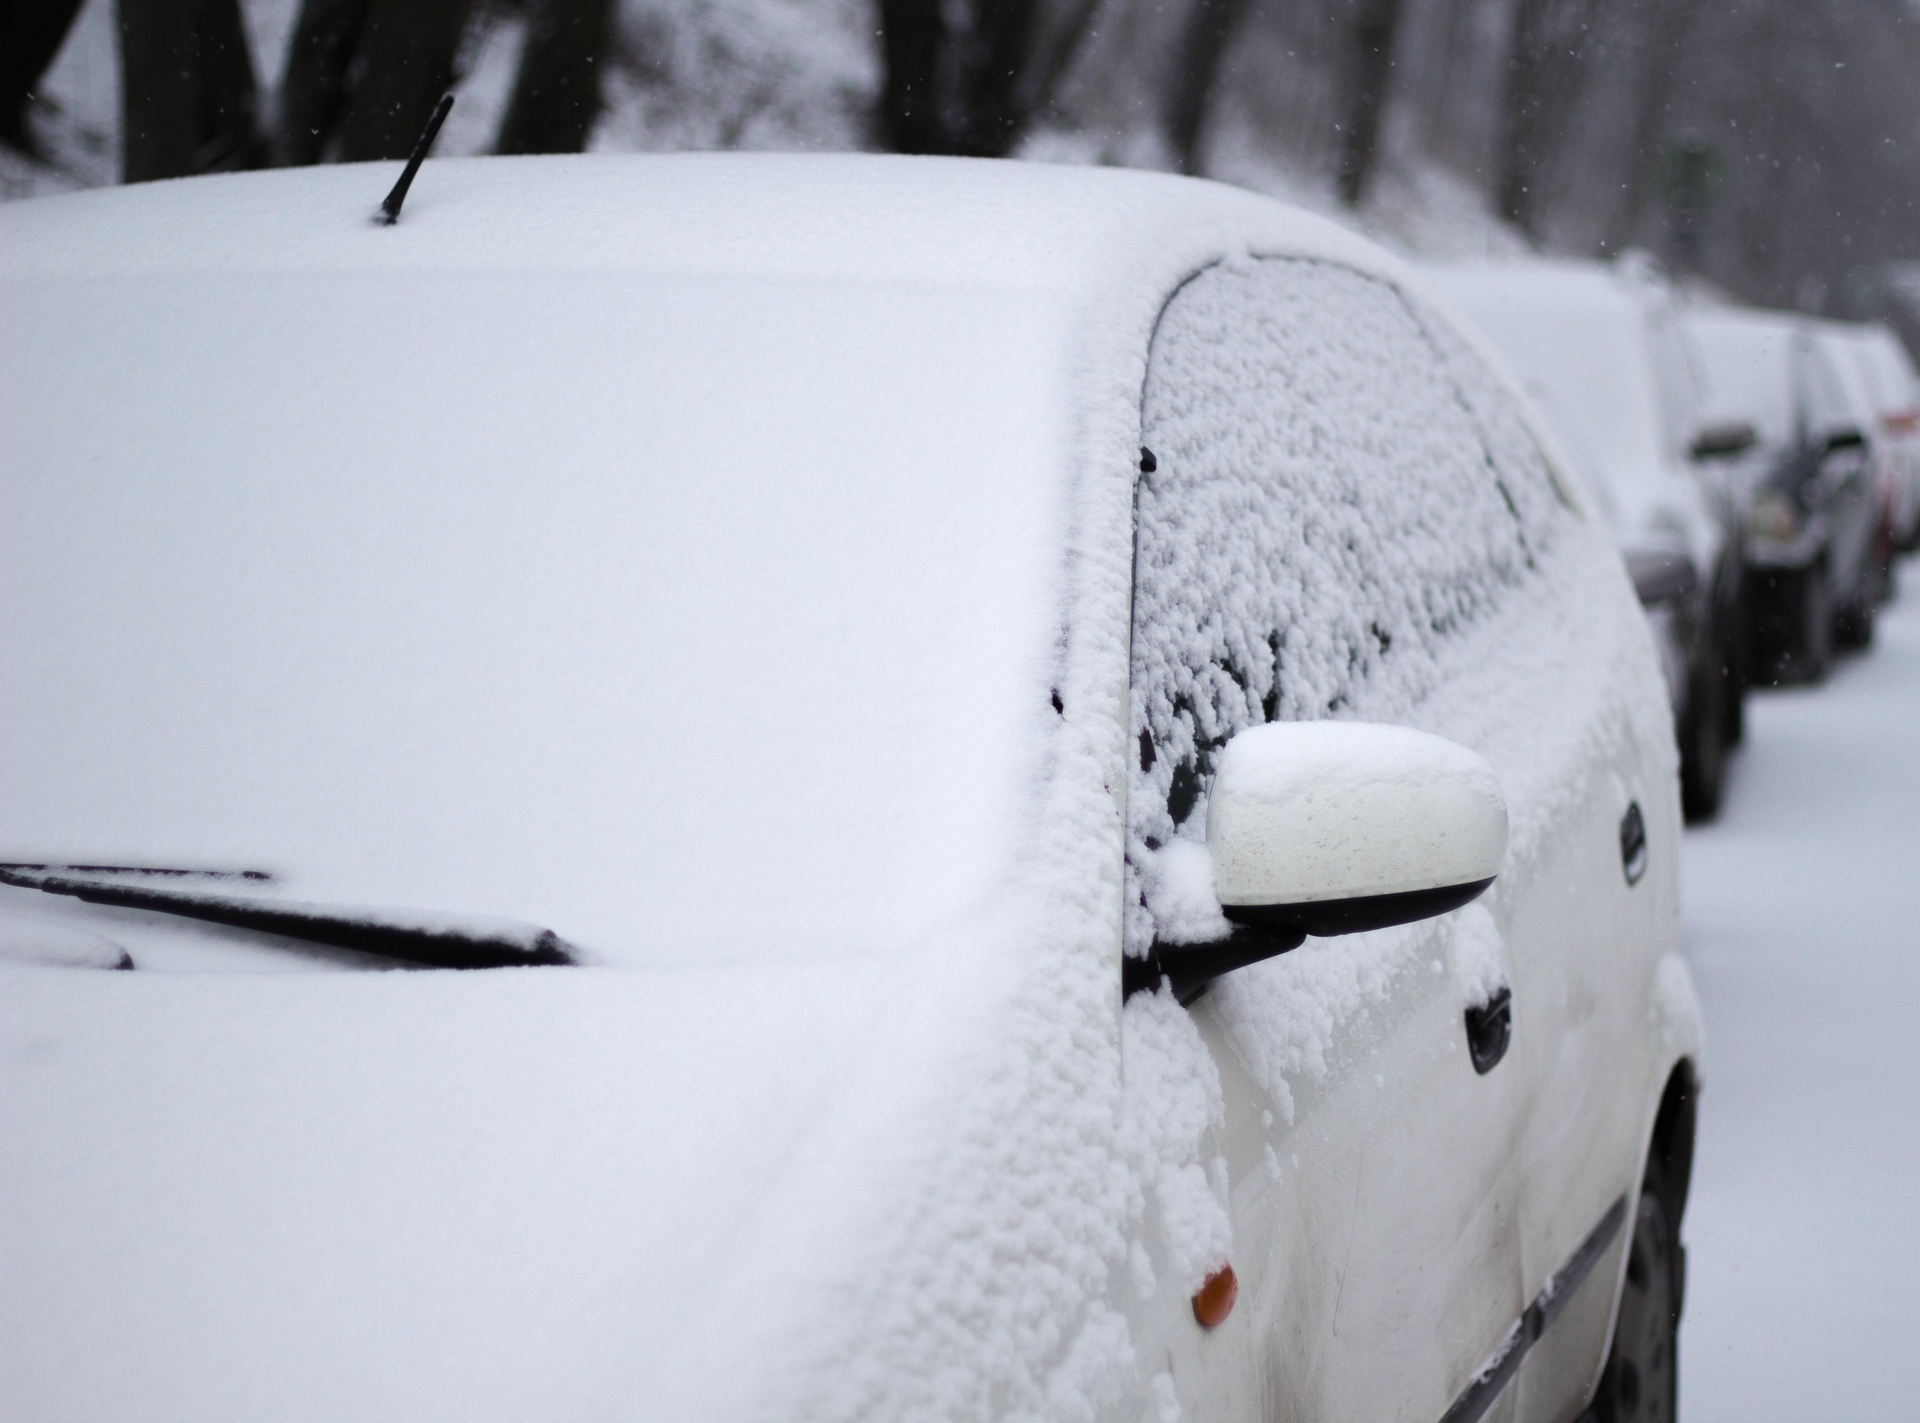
(405, 936)
(255, 876)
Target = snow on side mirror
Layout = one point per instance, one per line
(1334, 827)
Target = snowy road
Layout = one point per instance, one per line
(1802, 919)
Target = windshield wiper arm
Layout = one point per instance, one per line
(405, 936)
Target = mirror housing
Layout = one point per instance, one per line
(1723, 441)
(1334, 827)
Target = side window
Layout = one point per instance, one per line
(1338, 489)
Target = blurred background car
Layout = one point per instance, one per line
(1810, 549)
(1886, 371)
(1841, 341)
(1602, 349)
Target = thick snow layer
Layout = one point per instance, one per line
(536, 1193)
(712, 611)
(1747, 358)
(1803, 1243)
(1599, 350)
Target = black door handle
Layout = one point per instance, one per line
(1489, 1030)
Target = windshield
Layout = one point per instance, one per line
(703, 615)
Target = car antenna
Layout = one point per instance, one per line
(390, 209)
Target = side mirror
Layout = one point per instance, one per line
(1722, 441)
(1661, 575)
(1333, 827)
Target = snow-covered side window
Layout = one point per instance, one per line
(1338, 490)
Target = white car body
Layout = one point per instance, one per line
(728, 563)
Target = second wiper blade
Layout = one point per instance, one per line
(405, 936)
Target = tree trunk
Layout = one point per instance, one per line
(229, 117)
(1001, 44)
(313, 89)
(556, 95)
(968, 80)
(187, 89)
(913, 36)
(1371, 67)
(1203, 46)
(406, 64)
(1546, 62)
(31, 33)
(1665, 25)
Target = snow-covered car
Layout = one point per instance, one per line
(1601, 348)
(1886, 372)
(1813, 557)
(1051, 806)
(1842, 343)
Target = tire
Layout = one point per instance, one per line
(1854, 626)
(1703, 745)
(1814, 657)
(1737, 652)
(1641, 1382)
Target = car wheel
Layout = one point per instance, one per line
(1641, 1382)
(1703, 746)
(1854, 626)
(1816, 627)
(1737, 673)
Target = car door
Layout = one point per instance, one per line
(1327, 525)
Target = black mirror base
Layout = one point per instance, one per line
(1264, 931)
(1189, 968)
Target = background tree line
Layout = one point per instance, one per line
(1770, 145)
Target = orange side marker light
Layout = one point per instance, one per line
(1215, 1301)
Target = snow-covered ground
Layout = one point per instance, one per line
(1803, 925)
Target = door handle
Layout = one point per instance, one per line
(1489, 1030)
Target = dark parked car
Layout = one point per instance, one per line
(1816, 524)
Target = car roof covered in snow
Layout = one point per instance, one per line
(873, 218)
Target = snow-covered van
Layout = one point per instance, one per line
(1602, 348)
(747, 787)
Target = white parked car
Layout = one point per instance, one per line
(960, 717)
(1602, 348)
